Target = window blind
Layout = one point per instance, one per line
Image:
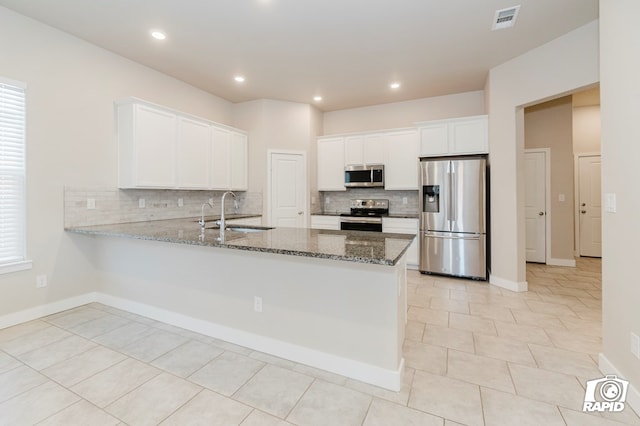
(12, 173)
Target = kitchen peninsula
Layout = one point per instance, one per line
(335, 300)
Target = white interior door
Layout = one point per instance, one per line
(590, 206)
(535, 206)
(288, 188)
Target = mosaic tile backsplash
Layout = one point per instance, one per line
(339, 201)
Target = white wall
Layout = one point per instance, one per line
(404, 114)
(586, 129)
(620, 91)
(561, 66)
(71, 86)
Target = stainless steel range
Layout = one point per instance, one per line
(365, 215)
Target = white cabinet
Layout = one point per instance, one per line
(468, 135)
(146, 147)
(404, 226)
(364, 149)
(162, 148)
(325, 222)
(401, 168)
(331, 164)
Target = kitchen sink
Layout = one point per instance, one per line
(242, 228)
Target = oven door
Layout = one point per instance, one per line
(353, 223)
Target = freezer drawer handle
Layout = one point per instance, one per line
(454, 237)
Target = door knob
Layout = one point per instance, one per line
(300, 212)
(583, 211)
(583, 204)
(541, 214)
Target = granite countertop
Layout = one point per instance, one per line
(352, 246)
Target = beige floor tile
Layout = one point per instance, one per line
(440, 304)
(383, 413)
(81, 413)
(122, 336)
(583, 327)
(230, 347)
(522, 333)
(512, 300)
(547, 386)
(227, 373)
(328, 404)
(186, 359)
(320, 374)
(18, 380)
(574, 418)
(469, 296)
(153, 345)
(433, 292)
(98, 326)
(274, 390)
(109, 385)
(259, 418)
(56, 352)
(449, 338)
(422, 356)
(397, 397)
(492, 311)
(418, 300)
(626, 416)
(74, 317)
(550, 308)
(150, 403)
(537, 319)
(452, 423)
(7, 362)
(428, 316)
(446, 397)
(20, 330)
(563, 361)
(83, 366)
(270, 359)
(479, 370)
(451, 283)
(504, 349)
(574, 341)
(36, 404)
(209, 409)
(414, 330)
(505, 409)
(35, 340)
(472, 323)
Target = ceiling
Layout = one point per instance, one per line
(347, 51)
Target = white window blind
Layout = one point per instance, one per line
(12, 174)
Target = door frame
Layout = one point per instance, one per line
(270, 152)
(547, 199)
(576, 190)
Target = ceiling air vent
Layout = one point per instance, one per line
(505, 18)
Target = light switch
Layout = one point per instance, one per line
(91, 203)
(610, 202)
(561, 197)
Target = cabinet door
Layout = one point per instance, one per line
(239, 161)
(469, 136)
(374, 150)
(401, 170)
(331, 164)
(325, 222)
(434, 140)
(353, 146)
(404, 226)
(194, 140)
(155, 147)
(220, 159)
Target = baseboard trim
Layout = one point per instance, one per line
(562, 262)
(388, 379)
(633, 394)
(508, 284)
(44, 310)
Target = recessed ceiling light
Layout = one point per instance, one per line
(239, 78)
(317, 98)
(394, 85)
(158, 35)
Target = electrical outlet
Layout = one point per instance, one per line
(180, 202)
(327, 199)
(561, 198)
(211, 202)
(405, 200)
(635, 345)
(257, 304)
(141, 203)
(41, 281)
(91, 203)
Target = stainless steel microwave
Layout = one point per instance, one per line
(359, 176)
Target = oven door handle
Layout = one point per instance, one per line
(361, 220)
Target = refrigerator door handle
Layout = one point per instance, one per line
(452, 237)
(453, 194)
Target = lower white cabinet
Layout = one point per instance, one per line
(325, 222)
(251, 221)
(404, 226)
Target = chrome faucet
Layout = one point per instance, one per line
(222, 221)
(201, 221)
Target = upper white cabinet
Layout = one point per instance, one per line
(331, 164)
(364, 149)
(162, 148)
(468, 135)
(401, 168)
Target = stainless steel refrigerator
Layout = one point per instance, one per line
(453, 205)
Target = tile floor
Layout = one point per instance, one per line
(475, 355)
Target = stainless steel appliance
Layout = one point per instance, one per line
(453, 216)
(365, 215)
(359, 176)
